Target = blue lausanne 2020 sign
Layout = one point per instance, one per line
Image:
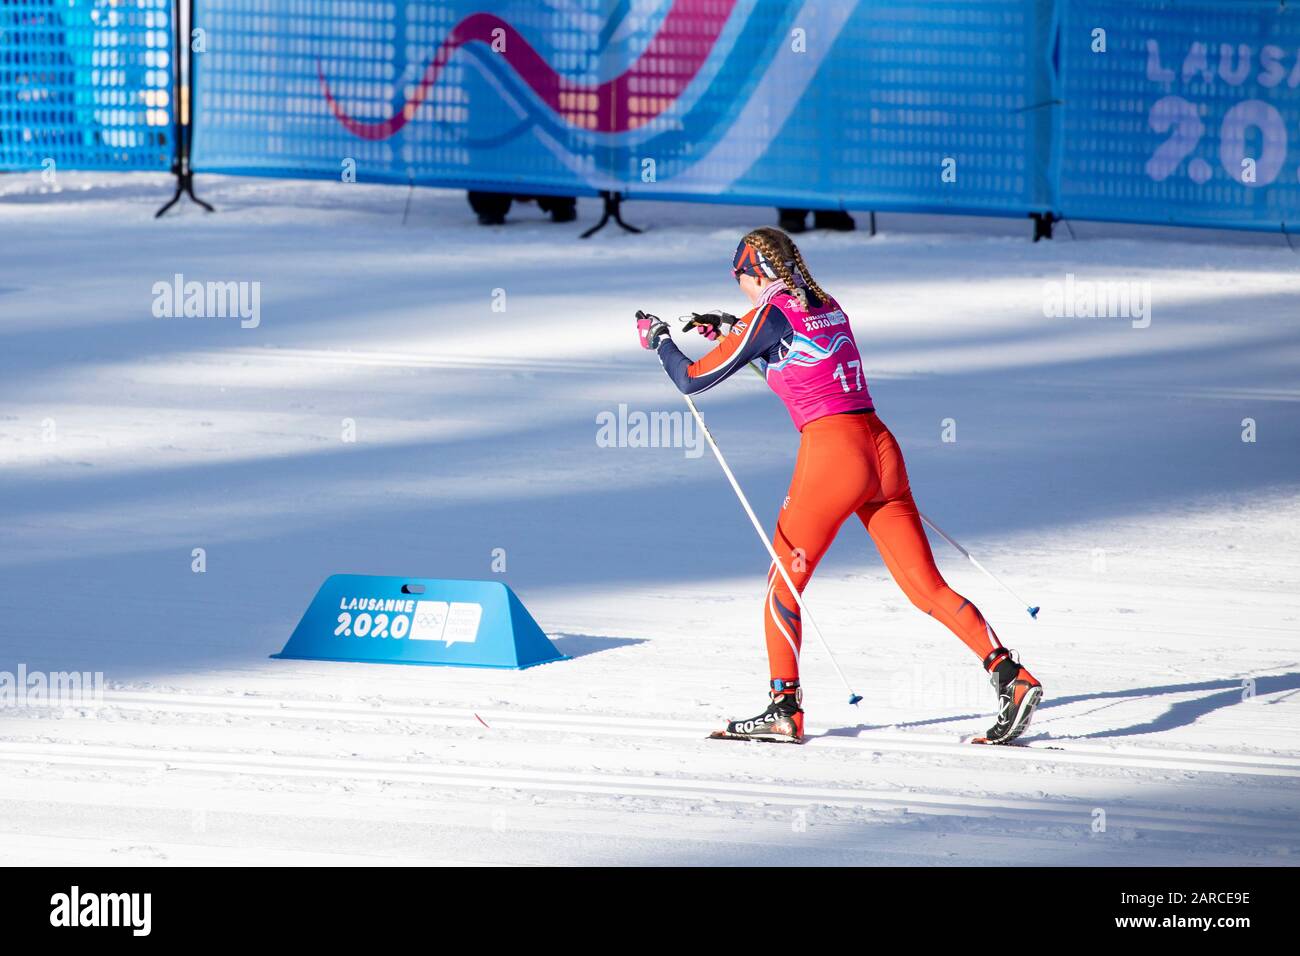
(372, 619)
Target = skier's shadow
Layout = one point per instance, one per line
(1223, 693)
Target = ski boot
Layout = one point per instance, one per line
(1018, 694)
(782, 722)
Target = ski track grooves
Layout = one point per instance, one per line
(622, 785)
(244, 765)
(1276, 765)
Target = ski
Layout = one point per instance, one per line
(727, 735)
(1014, 742)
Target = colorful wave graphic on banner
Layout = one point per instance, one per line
(681, 46)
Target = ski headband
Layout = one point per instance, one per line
(749, 261)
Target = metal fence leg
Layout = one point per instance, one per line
(184, 116)
(612, 202)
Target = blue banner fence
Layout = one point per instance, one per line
(1155, 111)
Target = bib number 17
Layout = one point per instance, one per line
(854, 366)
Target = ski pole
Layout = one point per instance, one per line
(744, 503)
(1033, 611)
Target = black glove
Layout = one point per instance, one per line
(711, 325)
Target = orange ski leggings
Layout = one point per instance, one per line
(850, 464)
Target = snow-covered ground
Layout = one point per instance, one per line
(1099, 467)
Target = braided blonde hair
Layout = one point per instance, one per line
(780, 250)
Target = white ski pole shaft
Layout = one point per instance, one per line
(785, 576)
(1033, 611)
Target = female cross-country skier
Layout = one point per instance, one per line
(848, 464)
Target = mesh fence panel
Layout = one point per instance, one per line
(882, 103)
(879, 104)
(426, 92)
(1186, 116)
(86, 84)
